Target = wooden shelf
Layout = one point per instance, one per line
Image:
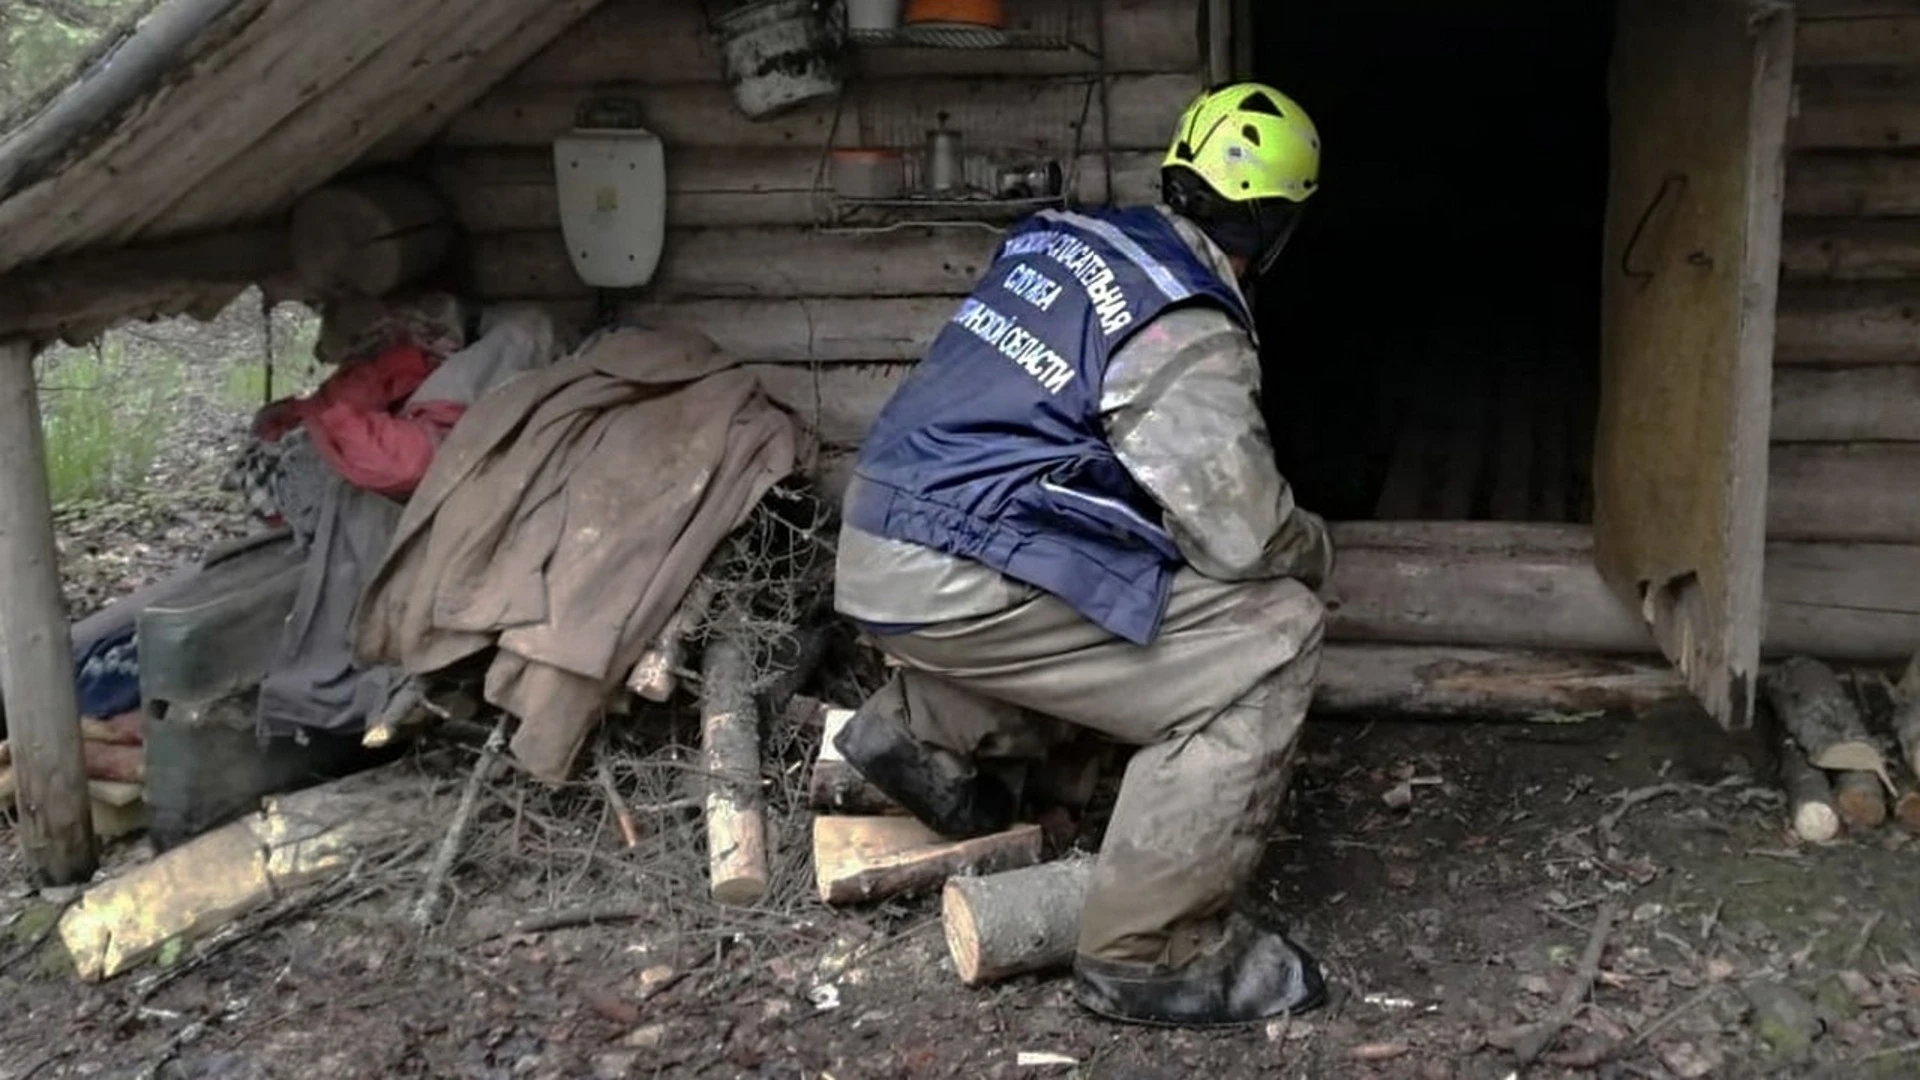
(953, 37)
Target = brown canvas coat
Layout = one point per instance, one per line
(563, 520)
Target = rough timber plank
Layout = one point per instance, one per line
(437, 69)
(240, 93)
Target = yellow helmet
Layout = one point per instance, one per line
(1248, 141)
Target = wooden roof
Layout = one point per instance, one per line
(221, 113)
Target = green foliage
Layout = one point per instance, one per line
(101, 409)
(44, 44)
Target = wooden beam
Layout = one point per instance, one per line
(1488, 684)
(1864, 492)
(1865, 108)
(1034, 115)
(1865, 39)
(44, 299)
(1845, 183)
(512, 190)
(36, 664)
(1845, 323)
(1876, 403)
(1851, 249)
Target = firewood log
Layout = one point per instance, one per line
(1809, 798)
(1020, 921)
(730, 741)
(862, 859)
(1821, 716)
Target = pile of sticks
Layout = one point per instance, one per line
(1832, 765)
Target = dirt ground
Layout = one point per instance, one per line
(1448, 925)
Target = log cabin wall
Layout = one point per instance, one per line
(833, 319)
(834, 316)
(1846, 423)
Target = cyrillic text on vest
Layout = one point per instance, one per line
(1087, 266)
(1008, 339)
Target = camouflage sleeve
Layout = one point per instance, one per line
(1181, 405)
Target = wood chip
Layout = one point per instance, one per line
(1385, 1051)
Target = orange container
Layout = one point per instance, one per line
(989, 13)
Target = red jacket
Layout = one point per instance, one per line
(361, 424)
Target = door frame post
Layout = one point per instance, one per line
(36, 651)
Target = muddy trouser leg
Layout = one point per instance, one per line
(1214, 707)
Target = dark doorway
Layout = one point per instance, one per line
(1431, 337)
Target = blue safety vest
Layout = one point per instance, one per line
(993, 450)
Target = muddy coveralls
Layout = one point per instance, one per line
(992, 670)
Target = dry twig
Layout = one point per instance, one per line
(1530, 1045)
(423, 909)
(621, 814)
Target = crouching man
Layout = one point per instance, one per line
(1069, 516)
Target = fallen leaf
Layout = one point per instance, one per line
(1689, 1061)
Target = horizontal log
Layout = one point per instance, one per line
(1876, 403)
(1028, 115)
(47, 298)
(1849, 183)
(788, 331)
(1855, 108)
(773, 263)
(1535, 587)
(837, 402)
(513, 190)
(654, 43)
(1857, 249)
(1839, 323)
(1488, 684)
(1880, 403)
(1866, 492)
(1826, 324)
(1807, 11)
(1868, 39)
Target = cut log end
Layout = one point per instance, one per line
(1810, 796)
(1859, 798)
(962, 932)
(1024, 920)
(1906, 811)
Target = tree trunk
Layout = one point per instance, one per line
(36, 661)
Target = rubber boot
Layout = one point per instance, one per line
(1253, 974)
(945, 793)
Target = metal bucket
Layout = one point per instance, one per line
(780, 54)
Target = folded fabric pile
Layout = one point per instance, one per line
(564, 518)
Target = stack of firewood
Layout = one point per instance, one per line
(1006, 911)
(1834, 768)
